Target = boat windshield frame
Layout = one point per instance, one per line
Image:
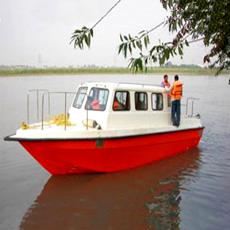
(97, 99)
(80, 97)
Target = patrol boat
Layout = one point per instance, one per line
(109, 127)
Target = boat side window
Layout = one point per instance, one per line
(141, 102)
(80, 96)
(121, 101)
(97, 99)
(157, 101)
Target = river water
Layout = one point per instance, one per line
(189, 191)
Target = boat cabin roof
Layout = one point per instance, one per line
(124, 86)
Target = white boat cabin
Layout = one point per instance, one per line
(120, 106)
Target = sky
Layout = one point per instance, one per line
(37, 32)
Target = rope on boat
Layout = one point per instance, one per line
(59, 120)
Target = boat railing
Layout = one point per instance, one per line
(189, 107)
(44, 95)
(37, 93)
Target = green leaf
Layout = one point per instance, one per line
(133, 43)
(130, 63)
(174, 26)
(186, 43)
(130, 48)
(170, 3)
(166, 51)
(91, 32)
(138, 65)
(139, 45)
(154, 58)
(89, 40)
(120, 48)
(125, 50)
(152, 50)
(180, 50)
(77, 31)
(146, 42)
(86, 38)
(147, 37)
(82, 36)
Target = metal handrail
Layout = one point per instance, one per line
(47, 93)
(65, 104)
(38, 91)
(192, 100)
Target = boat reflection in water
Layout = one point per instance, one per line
(143, 198)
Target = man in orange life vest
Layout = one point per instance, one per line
(176, 94)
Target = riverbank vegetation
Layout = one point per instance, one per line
(185, 70)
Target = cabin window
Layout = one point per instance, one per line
(157, 101)
(78, 100)
(141, 102)
(97, 99)
(121, 101)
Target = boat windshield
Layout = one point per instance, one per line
(81, 93)
(97, 99)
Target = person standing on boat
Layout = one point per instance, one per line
(176, 95)
(165, 83)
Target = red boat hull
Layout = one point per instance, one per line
(109, 154)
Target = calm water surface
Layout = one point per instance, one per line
(189, 191)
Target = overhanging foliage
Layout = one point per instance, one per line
(192, 20)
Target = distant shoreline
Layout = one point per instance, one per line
(20, 71)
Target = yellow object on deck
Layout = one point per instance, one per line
(24, 125)
(61, 119)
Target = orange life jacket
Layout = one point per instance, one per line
(176, 92)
